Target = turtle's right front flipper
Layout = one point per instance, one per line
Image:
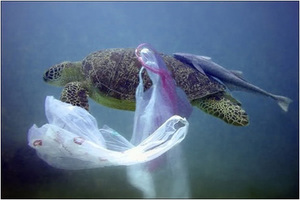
(75, 94)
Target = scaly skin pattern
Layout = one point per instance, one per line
(222, 107)
(110, 77)
(115, 73)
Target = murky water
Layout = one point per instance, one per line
(223, 161)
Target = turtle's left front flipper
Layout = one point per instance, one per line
(75, 94)
(225, 107)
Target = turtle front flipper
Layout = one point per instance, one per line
(225, 107)
(75, 94)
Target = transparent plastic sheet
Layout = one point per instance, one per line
(166, 176)
(72, 140)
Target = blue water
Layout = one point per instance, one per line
(259, 38)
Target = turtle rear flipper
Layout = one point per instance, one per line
(221, 105)
(75, 94)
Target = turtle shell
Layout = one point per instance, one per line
(114, 72)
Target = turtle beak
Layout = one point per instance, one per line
(46, 76)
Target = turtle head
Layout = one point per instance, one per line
(64, 73)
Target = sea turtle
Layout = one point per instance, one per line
(110, 77)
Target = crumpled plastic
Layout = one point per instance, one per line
(165, 176)
(71, 138)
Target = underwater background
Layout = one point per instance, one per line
(261, 39)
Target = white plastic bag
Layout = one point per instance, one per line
(165, 176)
(72, 139)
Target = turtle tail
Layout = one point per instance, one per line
(223, 106)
